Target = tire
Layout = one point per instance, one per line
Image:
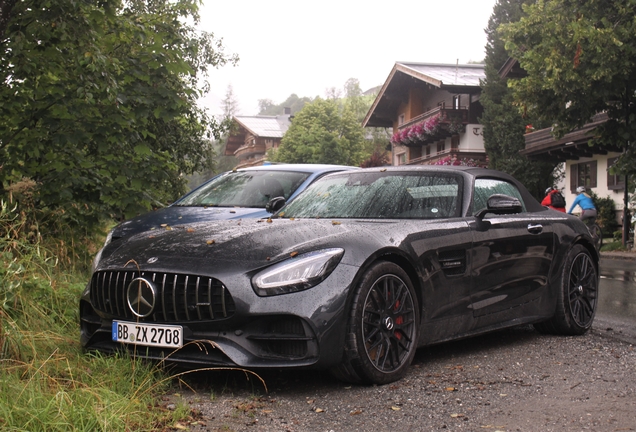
(577, 298)
(383, 327)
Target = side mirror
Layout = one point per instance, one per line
(275, 204)
(500, 204)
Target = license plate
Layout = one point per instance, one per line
(154, 335)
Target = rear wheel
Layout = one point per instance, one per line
(383, 327)
(578, 296)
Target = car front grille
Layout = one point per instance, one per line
(179, 298)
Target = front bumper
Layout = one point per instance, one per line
(302, 329)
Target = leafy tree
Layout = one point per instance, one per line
(293, 102)
(230, 104)
(322, 132)
(377, 140)
(265, 106)
(333, 93)
(222, 162)
(504, 126)
(377, 159)
(98, 102)
(580, 57)
(355, 100)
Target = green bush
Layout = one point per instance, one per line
(606, 214)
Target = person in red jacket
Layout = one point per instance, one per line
(554, 202)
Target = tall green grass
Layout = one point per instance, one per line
(46, 382)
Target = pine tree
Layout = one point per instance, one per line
(504, 125)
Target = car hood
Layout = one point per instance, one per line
(180, 215)
(231, 246)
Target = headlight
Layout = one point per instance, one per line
(98, 256)
(109, 237)
(296, 274)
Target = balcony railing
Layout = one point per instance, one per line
(246, 151)
(447, 122)
(447, 115)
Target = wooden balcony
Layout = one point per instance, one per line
(447, 117)
(247, 151)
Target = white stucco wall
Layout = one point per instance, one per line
(601, 181)
(472, 139)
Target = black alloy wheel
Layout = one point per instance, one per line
(582, 290)
(578, 295)
(383, 327)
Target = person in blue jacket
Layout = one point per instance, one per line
(583, 200)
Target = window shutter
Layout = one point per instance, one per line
(593, 174)
(574, 171)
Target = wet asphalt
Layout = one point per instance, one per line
(616, 313)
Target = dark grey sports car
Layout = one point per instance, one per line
(354, 275)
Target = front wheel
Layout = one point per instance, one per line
(578, 295)
(383, 327)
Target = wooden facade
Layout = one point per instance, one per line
(433, 111)
(253, 136)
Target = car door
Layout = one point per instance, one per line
(441, 240)
(511, 254)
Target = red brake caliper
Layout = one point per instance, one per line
(398, 321)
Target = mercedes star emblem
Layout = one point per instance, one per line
(141, 297)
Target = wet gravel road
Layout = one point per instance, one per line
(513, 380)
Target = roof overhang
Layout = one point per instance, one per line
(512, 69)
(542, 145)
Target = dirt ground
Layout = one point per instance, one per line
(513, 380)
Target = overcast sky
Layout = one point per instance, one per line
(295, 46)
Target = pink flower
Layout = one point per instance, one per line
(404, 135)
(431, 125)
(417, 129)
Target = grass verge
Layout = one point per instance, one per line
(46, 382)
(614, 246)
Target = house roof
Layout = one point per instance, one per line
(265, 126)
(512, 69)
(542, 145)
(258, 126)
(445, 75)
(405, 76)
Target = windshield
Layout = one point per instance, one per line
(380, 195)
(245, 189)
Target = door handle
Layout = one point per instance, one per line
(535, 229)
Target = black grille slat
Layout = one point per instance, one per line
(185, 298)
(210, 299)
(174, 298)
(163, 295)
(196, 298)
(123, 285)
(180, 298)
(104, 295)
(223, 301)
(117, 292)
